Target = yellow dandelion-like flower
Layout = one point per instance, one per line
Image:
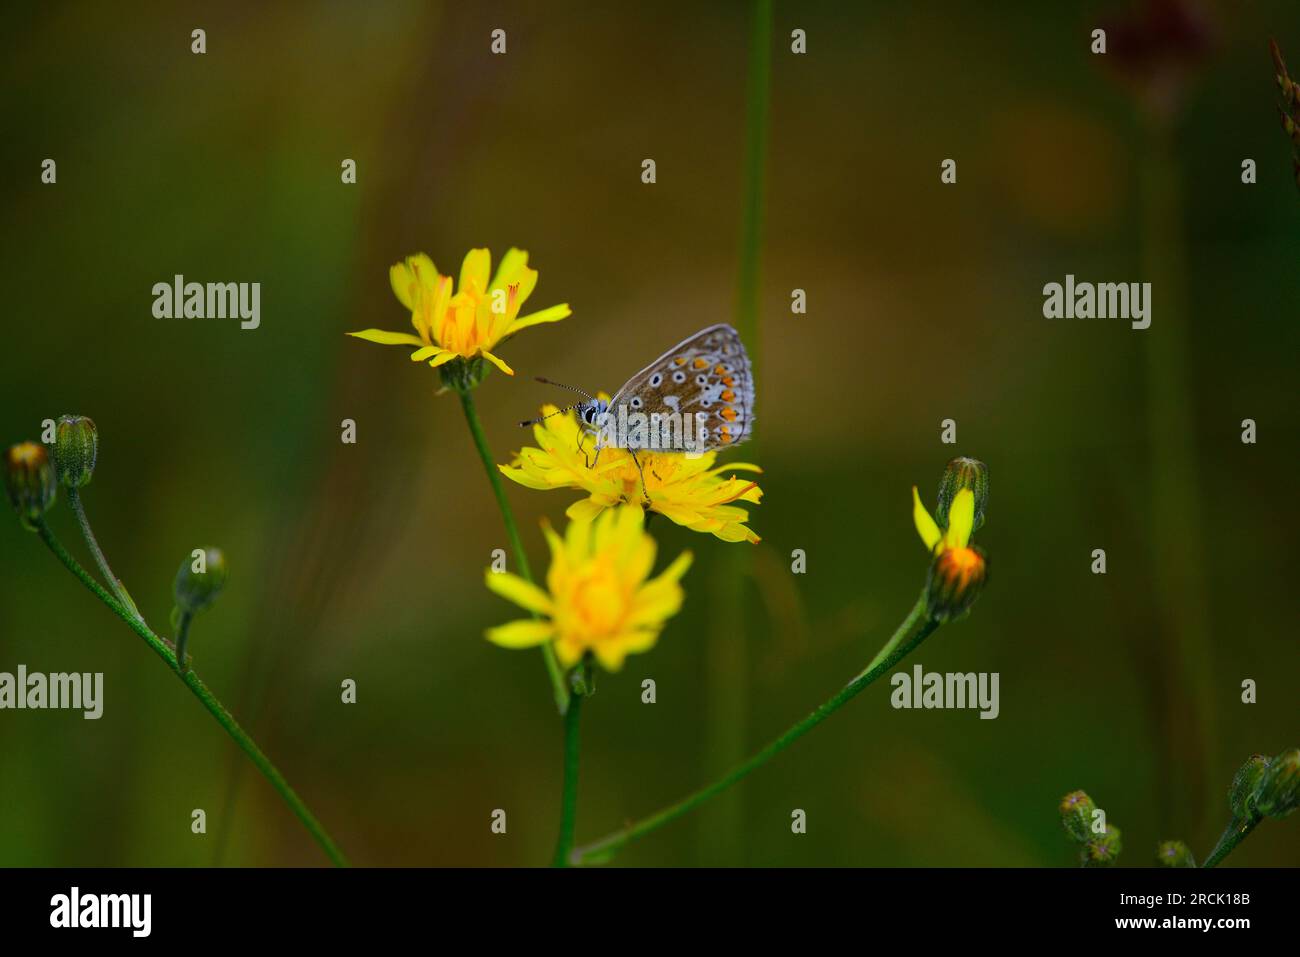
(690, 491)
(599, 597)
(472, 320)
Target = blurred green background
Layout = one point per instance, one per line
(924, 303)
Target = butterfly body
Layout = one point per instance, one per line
(696, 397)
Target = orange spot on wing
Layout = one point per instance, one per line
(729, 414)
(728, 396)
(700, 363)
(680, 360)
(728, 381)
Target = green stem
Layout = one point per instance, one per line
(512, 531)
(205, 696)
(726, 723)
(569, 799)
(114, 584)
(913, 620)
(915, 629)
(183, 637)
(1233, 835)
(1181, 597)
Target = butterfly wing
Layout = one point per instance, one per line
(708, 373)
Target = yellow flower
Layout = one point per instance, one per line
(689, 491)
(473, 320)
(597, 596)
(959, 570)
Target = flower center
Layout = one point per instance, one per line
(961, 565)
(598, 601)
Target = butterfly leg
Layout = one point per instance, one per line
(637, 461)
(585, 461)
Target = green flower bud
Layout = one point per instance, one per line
(1279, 789)
(963, 473)
(1241, 792)
(200, 580)
(1103, 849)
(1076, 816)
(76, 442)
(1174, 854)
(957, 576)
(30, 481)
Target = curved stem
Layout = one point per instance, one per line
(914, 630)
(205, 696)
(114, 584)
(512, 532)
(569, 799)
(183, 638)
(1233, 835)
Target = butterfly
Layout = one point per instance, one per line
(696, 397)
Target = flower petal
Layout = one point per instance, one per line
(925, 526)
(496, 362)
(610, 653)
(441, 359)
(408, 276)
(523, 593)
(524, 633)
(474, 270)
(523, 478)
(509, 268)
(550, 314)
(386, 338)
(419, 355)
(961, 520)
(585, 510)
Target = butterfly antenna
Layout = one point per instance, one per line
(543, 418)
(562, 386)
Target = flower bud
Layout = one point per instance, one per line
(1076, 816)
(200, 580)
(30, 481)
(957, 576)
(1241, 792)
(1278, 63)
(1290, 126)
(76, 442)
(963, 473)
(1103, 849)
(1278, 793)
(1174, 854)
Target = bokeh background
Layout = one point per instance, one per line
(924, 303)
